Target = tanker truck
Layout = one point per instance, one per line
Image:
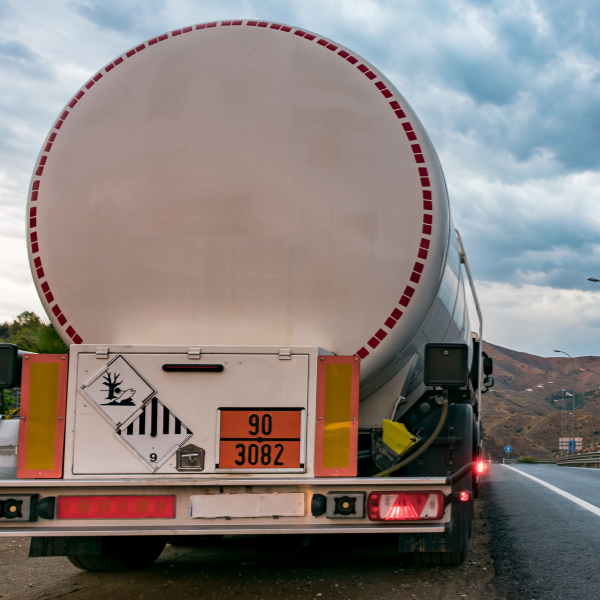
(242, 231)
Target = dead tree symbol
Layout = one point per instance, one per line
(112, 383)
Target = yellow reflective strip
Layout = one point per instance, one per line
(41, 427)
(336, 434)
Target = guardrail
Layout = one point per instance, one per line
(585, 459)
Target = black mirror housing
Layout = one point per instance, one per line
(10, 366)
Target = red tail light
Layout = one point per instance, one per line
(116, 507)
(405, 506)
(481, 467)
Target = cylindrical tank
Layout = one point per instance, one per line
(243, 183)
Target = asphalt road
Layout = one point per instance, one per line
(545, 546)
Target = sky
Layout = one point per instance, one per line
(508, 91)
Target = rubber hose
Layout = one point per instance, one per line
(422, 448)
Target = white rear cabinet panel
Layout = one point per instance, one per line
(184, 409)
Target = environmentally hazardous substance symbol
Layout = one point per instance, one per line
(118, 391)
(155, 434)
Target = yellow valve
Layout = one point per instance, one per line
(397, 437)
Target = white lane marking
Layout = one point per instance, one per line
(572, 498)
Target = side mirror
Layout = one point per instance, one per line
(488, 365)
(446, 365)
(488, 382)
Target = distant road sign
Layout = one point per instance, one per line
(507, 448)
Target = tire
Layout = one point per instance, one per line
(122, 554)
(427, 559)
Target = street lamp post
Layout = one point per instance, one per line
(573, 391)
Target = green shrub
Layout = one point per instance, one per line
(527, 459)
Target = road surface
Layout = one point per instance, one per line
(545, 545)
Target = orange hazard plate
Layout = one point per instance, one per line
(260, 438)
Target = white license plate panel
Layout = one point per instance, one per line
(220, 506)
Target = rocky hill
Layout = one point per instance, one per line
(524, 408)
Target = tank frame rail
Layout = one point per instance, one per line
(586, 459)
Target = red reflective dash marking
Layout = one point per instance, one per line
(396, 314)
(322, 42)
(43, 160)
(409, 291)
(178, 31)
(299, 32)
(380, 334)
(98, 77)
(35, 248)
(188, 29)
(415, 277)
(389, 322)
(90, 83)
(425, 182)
(343, 54)
(49, 297)
(152, 41)
(72, 103)
(275, 26)
(418, 267)
(33, 211)
(427, 205)
(37, 263)
(407, 126)
(52, 137)
(33, 236)
(395, 105)
(422, 253)
(380, 85)
(39, 171)
(40, 273)
(249, 23)
(427, 194)
(120, 60)
(45, 287)
(32, 223)
(363, 353)
(423, 171)
(419, 158)
(263, 24)
(58, 124)
(400, 114)
(425, 243)
(70, 331)
(310, 37)
(387, 93)
(427, 229)
(212, 24)
(109, 68)
(56, 310)
(61, 319)
(411, 136)
(163, 37)
(286, 28)
(428, 219)
(130, 53)
(223, 24)
(203, 26)
(36, 185)
(362, 68)
(331, 47)
(140, 47)
(373, 342)
(79, 95)
(77, 339)
(416, 149)
(404, 300)
(34, 196)
(370, 75)
(352, 60)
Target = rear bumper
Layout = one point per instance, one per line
(184, 489)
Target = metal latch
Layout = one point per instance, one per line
(194, 353)
(102, 352)
(285, 354)
(4, 450)
(190, 458)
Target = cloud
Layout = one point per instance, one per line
(117, 15)
(16, 56)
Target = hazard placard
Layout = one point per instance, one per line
(117, 391)
(154, 435)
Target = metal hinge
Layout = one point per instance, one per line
(194, 353)
(285, 354)
(102, 352)
(4, 450)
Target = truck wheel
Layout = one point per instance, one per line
(426, 559)
(122, 554)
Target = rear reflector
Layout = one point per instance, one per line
(405, 506)
(116, 507)
(465, 496)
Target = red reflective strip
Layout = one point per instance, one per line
(36, 184)
(56, 310)
(120, 60)
(45, 287)
(396, 314)
(40, 273)
(61, 319)
(275, 26)
(427, 229)
(427, 205)
(373, 342)
(37, 262)
(203, 26)
(386, 93)
(77, 339)
(188, 29)
(389, 322)
(116, 507)
(140, 47)
(425, 182)
(352, 60)
(416, 148)
(419, 158)
(427, 195)
(380, 334)
(310, 37)
(70, 332)
(409, 291)
(415, 277)
(35, 247)
(130, 53)
(363, 353)
(249, 23)
(422, 253)
(423, 172)
(284, 28)
(163, 37)
(49, 297)
(411, 136)
(395, 105)
(34, 195)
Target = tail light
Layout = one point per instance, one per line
(481, 467)
(116, 507)
(405, 506)
(464, 496)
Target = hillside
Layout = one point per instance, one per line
(524, 408)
